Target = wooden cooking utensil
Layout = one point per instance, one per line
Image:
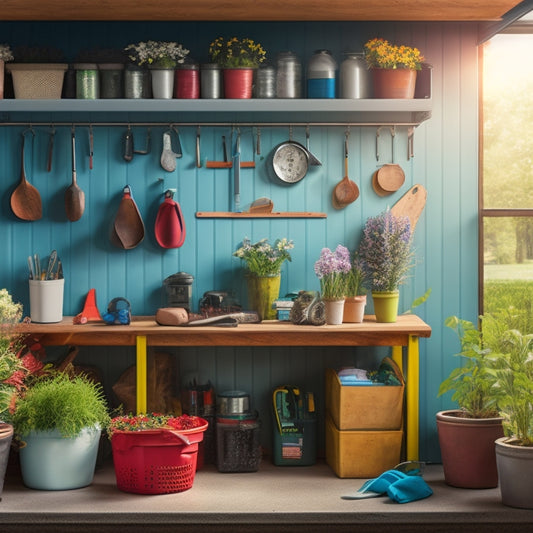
(411, 204)
(346, 191)
(26, 201)
(128, 227)
(390, 177)
(74, 196)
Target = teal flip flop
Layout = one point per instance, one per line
(374, 488)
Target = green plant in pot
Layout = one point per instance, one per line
(386, 252)
(514, 451)
(59, 420)
(467, 434)
(355, 292)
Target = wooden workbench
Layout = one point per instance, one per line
(144, 331)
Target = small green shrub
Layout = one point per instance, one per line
(63, 403)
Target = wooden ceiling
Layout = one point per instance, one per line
(257, 10)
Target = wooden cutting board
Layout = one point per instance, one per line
(411, 204)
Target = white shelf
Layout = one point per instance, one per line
(204, 111)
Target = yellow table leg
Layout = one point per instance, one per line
(413, 361)
(412, 393)
(141, 374)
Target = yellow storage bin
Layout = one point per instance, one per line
(361, 454)
(364, 406)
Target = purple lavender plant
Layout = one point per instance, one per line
(386, 251)
(331, 269)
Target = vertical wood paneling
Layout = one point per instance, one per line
(445, 163)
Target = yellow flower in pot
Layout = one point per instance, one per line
(394, 68)
(238, 58)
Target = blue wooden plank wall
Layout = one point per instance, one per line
(445, 162)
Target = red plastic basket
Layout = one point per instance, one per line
(156, 461)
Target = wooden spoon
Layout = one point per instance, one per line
(25, 200)
(74, 196)
(346, 191)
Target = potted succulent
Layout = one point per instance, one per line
(263, 263)
(467, 435)
(17, 364)
(332, 270)
(387, 257)
(38, 73)
(155, 453)
(238, 58)
(355, 292)
(59, 420)
(5, 55)
(394, 68)
(514, 451)
(161, 57)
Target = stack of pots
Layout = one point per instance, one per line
(238, 447)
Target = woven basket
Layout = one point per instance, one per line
(32, 81)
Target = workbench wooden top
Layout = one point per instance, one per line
(267, 333)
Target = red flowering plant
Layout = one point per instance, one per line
(20, 357)
(143, 422)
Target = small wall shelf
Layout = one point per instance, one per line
(280, 214)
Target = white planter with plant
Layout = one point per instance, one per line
(59, 421)
(467, 435)
(332, 269)
(514, 452)
(161, 57)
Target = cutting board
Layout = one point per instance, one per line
(411, 204)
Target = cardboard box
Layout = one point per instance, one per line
(364, 407)
(361, 454)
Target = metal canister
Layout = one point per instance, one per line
(288, 76)
(179, 290)
(265, 82)
(321, 79)
(210, 81)
(111, 80)
(87, 81)
(354, 77)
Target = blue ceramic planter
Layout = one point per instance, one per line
(52, 462)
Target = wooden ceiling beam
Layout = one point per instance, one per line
(256, 10)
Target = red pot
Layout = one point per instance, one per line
(468, 449)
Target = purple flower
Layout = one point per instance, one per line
(386, 251)
(331, 269)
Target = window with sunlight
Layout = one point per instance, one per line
(506, 200)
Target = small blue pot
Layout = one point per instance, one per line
(52, 462)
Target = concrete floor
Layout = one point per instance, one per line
(296, 499)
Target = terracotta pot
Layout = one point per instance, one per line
(394, 82)
(354, 309)
(468, 450)
(515, 468)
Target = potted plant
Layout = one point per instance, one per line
(514, 451)
(263, 263)
(332, 269)
(394, 68)
(467, 435)
(238, 58)
(161, 57)
(155, 453)
(387, 257)
(355, 293)
(17, 364)
(38, 73)
(5, 55)
(59, 420)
